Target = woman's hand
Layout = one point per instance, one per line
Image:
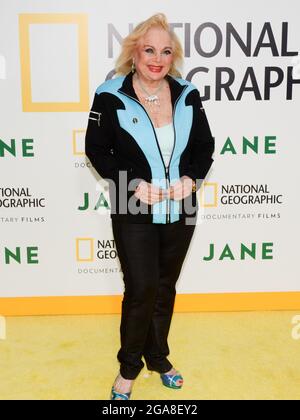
(182, 189)
(149, 193)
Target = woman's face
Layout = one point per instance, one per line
(154, 54)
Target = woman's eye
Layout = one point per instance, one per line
(149, 50)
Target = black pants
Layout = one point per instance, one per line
(151, 257)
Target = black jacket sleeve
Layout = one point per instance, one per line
(98, 140)
(203, 143)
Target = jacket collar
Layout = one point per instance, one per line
(175, 87)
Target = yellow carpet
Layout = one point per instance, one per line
(246, 355)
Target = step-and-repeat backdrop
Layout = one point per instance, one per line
(57, 253)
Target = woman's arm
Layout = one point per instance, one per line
(98, 140)
(203, 144)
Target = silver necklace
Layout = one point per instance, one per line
(151, 99)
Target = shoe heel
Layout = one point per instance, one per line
(119, 396)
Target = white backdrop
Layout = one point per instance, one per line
(51, 242)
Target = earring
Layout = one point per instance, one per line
(132, 67)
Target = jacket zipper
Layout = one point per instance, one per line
(166, 168)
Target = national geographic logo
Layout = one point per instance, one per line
(239, 44)
(248, 194)
(248, 41)
(215, 195)
(37, 25)
(11, 197)
(90, 249)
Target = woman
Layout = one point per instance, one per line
(148, 136)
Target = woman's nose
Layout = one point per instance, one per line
(158, 57)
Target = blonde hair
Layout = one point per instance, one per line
(124, 61)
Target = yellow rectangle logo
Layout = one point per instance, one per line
(209, 194)
(84, 249)
(79, 142)
(81, 21)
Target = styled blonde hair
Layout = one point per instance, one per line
(124, 61)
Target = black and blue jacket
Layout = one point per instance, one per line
(120, 138)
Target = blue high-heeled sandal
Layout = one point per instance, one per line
(170, 380)
(118, 395)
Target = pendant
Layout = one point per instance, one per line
(153, 103)
(152, 99)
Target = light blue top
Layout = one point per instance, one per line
(165, 137)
